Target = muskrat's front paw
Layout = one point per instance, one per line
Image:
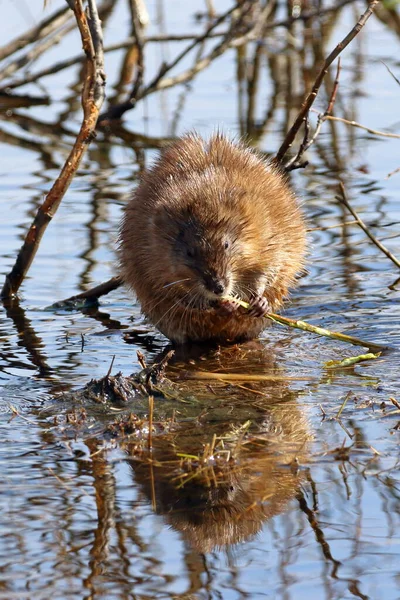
(259, 306)
(227, 307)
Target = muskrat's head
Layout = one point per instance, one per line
(201, 249)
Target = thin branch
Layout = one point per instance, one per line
(65, 64)
(47, 27)
(355, 124)
(343, 199)
(308, 102)
(35, 52)
(116, 112)
(93, 294)
(393, 173)
(92, 99)
(391, 73)
(295, 163)
(137, 30)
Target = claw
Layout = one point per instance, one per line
(259, 306)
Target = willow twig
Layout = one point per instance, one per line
(310, 98)
(391, 73)
(343, 199)
(92, 99)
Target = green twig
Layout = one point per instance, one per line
(342, 337)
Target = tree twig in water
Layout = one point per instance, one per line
(310, 98)
(93, 294)
(92, 99)
(343, 199)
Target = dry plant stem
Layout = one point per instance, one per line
(350, 361)
(355, 124)
(92, 99)
(151, 410)
(343, 199)
(308, 102)
(142, 12)
(224, 377)
(395, 402)
(345, 224)
(167, 67)
(228, 42)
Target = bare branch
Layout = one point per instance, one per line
(308, 102)
(92, 98)
(368, 129)
(93, 294)
(64, 64)
(47, 27)
(343, 199)
(158, 82)
(295, 163)
(137, 30)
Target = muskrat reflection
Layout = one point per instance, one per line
(249, 475)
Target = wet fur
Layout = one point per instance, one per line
(199, 197)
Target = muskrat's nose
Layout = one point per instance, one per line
(219, 288)
(215, 285)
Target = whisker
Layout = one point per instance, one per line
(175, 282)
(172, 307)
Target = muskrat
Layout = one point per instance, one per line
(211, 219)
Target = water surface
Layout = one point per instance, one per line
(311, 509)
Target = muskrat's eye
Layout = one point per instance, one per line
(226, 245)
(190, 252)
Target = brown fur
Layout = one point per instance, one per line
(198, 197)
